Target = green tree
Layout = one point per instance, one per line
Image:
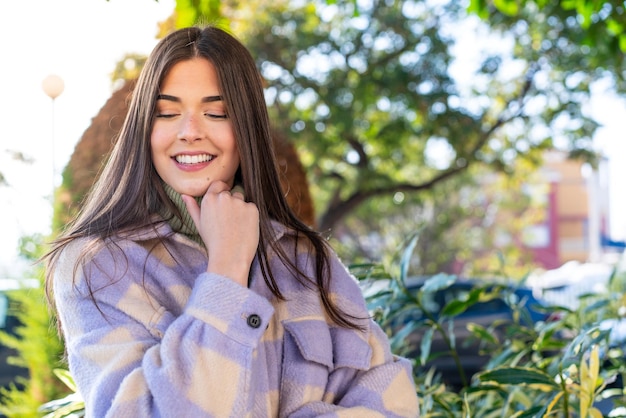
(603, 22)
(366, 91)
(467, 226)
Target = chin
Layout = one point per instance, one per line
(192, 190)
(197, 193)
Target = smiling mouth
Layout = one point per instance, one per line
(193, 159)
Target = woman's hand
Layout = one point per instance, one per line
(229, 227)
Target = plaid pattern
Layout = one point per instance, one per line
(167, 339)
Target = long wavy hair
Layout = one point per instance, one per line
(129, 188)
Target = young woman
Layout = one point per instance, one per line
(186, 286)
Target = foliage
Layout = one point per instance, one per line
(189, 12)
(71, 406)
(367, 92)
(389, 106)
(466, 225)
(603, 21)
(560, 368)
(23, 398)
(38, 347)
(128, 68)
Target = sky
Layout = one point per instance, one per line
(81, 41)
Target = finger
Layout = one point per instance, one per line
(218, 186)
(193, 209)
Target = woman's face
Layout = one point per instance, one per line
(192, 139)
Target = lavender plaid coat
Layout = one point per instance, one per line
(167, 339)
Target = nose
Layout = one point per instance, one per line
(190, 129)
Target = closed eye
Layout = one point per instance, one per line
(215, 116)
(166, 115)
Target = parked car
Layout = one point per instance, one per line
(488, 305)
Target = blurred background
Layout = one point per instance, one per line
(486, 136)
(451, 113)
(80, 43)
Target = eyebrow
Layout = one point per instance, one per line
(207, 99)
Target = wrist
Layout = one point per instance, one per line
(234, 272)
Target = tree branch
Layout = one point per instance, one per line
(338, 209)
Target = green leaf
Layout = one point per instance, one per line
(622, 42)
(482, 333)
(508, 7)
(406, 258)
(64, 407)
(518, 376)
(456, 307)
(479, 7)
(530, 413)
(66, 377)
(614, 27)
(425, 345)
(438, 282)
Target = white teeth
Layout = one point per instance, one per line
(193, 159)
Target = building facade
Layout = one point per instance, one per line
(576, 222)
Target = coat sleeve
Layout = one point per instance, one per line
(366, 378)
(131, 357)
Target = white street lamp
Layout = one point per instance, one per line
(53, 86)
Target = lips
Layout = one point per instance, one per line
(193, 159)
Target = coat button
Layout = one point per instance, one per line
(254, 321)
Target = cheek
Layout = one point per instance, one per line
(159, 141)
(229, 144)
(157, 150)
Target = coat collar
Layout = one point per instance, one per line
(159, 228)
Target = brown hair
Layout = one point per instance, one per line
(129, 189)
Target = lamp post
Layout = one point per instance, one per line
(53, 87)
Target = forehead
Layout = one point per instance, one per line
(194, 74)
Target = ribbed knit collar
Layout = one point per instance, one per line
(185, 224)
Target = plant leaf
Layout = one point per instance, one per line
(66, 377)
(518, 376)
